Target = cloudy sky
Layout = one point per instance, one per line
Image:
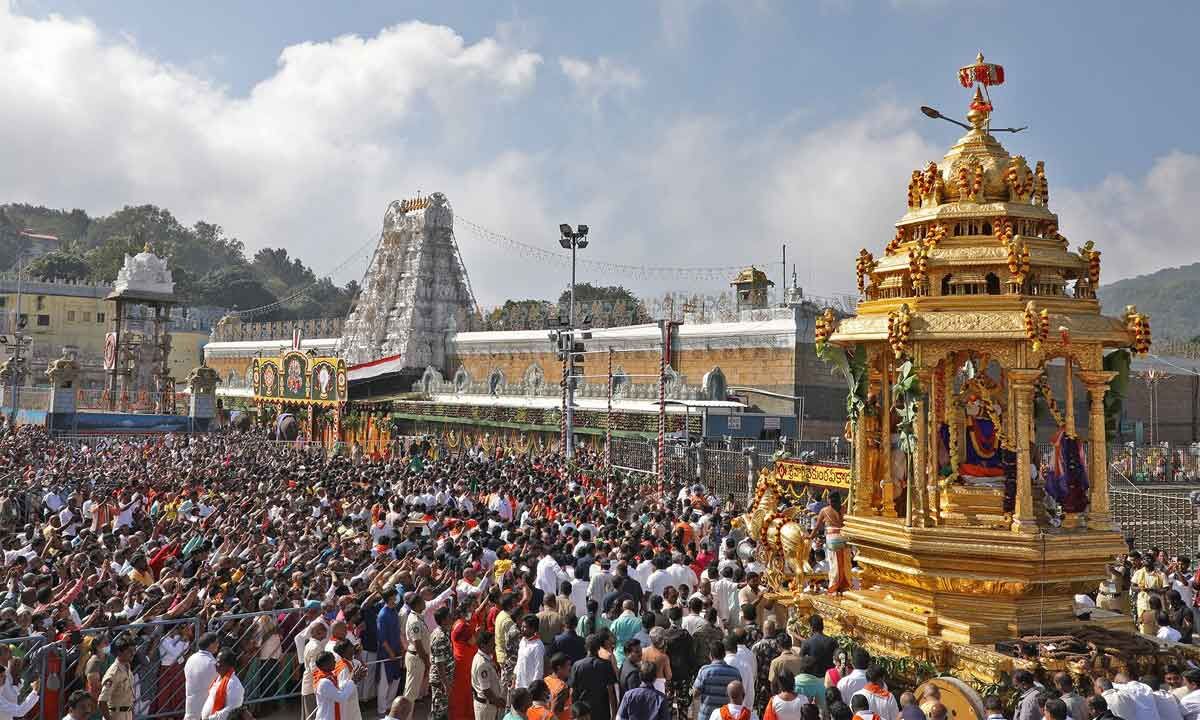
(684, 132)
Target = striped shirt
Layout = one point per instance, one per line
(712, 681)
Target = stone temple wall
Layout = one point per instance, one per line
(415, 293)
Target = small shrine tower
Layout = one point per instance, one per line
(137, 350)
(752, 287)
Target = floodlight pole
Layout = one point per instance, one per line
(569, 449)
(572, 239)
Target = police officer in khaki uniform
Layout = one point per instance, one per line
(485, 680)
(116, 689)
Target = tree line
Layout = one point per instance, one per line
(209, 268)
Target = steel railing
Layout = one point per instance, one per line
(268, 664)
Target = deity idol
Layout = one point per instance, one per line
(983, 457)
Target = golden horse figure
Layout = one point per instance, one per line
(784, 544)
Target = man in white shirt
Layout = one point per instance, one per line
(739, 706)
(1141, 696)
(52, 500)
(857, 678)
(531, 654)
(601, 583)
(10, 709)
(879, 699)
(549, 576)
(326, 690)
(1191, 701)
(1167, 704)
(743, 660)
(579, 594)
(344, 668)
(660, 579)
(67, 522)
(226, 694)
(1119, 703)
(694, 618)
(681, 574)
(724, 592)
(199, 672)
(642, 573)
(312, 614)
(317, 633)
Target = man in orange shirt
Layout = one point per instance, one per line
(556, 681)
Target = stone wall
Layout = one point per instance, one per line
(236, 331)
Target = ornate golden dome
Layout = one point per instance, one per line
(978, 233)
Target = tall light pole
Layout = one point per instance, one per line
(16, 348)
(571, 240)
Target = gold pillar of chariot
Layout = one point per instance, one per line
(976, 313)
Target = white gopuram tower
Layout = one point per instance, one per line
(415, 293)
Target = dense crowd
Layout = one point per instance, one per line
(214, 576)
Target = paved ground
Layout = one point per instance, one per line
(290, 710)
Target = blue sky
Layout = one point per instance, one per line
(684, 132)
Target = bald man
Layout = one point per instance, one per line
(734, 709)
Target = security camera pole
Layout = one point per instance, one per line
(16, 346)
(571, 240)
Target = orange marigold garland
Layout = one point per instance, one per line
(1037, 325)
(1138, 325)
(899, 331)
(865, 265)
(1092, 256)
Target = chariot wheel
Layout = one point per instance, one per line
(960, 699)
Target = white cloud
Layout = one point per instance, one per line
(604, 76)
(310, 157)
(1140, 224)
(705, 192)
(307, 159)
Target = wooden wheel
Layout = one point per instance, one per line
(960, 699)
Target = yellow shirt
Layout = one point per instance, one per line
(503, 622)
(1147, 580)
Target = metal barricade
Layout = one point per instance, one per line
(265, 644)
(725, 473)
(1160, 518)
(632, 454)
(161, 647)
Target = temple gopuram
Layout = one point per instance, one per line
(963, 543)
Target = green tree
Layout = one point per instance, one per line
(106, 259)
(236, 286)
(588, 293)
(60, 266)
(282, 274)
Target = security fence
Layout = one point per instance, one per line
(1157, 464)
(723, 472)
(264, 643)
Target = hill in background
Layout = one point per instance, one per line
(1171, 296)
(209, 268)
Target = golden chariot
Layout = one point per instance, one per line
(975, 313)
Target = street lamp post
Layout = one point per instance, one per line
(16, 349)
(571, 240)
